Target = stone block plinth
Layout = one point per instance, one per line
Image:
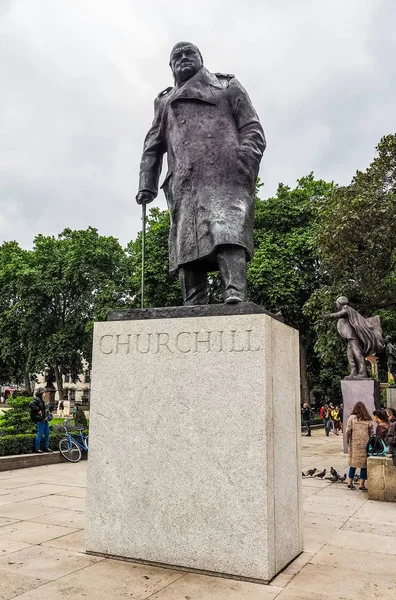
(194, 458)
(354, 390)
(381, 478)
(391, 397)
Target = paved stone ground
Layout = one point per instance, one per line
(350, 549)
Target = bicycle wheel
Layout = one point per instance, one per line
(86, 441)
(69, 450)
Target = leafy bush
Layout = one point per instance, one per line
(80, 418)
(24, 443)
(16, 420)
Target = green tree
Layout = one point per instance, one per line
(79, 276)
(16, 276)
(285, 270)
(357, 243)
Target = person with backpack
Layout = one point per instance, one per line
(381, 418)
(40, 415)
(306, 416)
(359, 430)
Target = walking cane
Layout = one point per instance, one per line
(143, 250)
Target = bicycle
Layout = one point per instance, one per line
(69, 446)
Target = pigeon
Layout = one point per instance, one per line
(322, 474)
(334, 473)
(332, 479)
(311, 472)
(356, 479)
(342, 479)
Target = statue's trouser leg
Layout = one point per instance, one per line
(359, 358)
(231, 261)
(351, 360)
(193, 282)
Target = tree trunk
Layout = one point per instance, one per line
(27, 383)
(305, 397)
(59, 382)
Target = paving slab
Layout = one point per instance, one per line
(8, 547)
(378, 528)
(33, 533)
(66, 518)
(61, 502)
(197, 587)
(12, 587)
(344, 583)
(364, 541)
(358, 560)
(49, 563)
(107, 580)
(24, 510)
(72, 541)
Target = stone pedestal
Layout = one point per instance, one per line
(381, 480)
(354, 390)
(199, 466)
(391, 397)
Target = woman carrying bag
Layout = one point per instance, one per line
(358, 432)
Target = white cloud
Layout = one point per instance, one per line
(79, 78)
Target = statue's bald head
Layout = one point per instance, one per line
(342, 301)
(185, 61)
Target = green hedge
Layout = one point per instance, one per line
(24, 443)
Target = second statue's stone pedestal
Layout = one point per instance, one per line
(391, 397)
(195, 441)
(354, 390)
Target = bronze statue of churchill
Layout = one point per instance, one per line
(214, 142)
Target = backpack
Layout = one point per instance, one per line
(376, 446)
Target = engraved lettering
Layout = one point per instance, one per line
(204, 341)
(124, 344)
(102, 343)
(249, 341)
(147, 349)
(233, 347)
(183, 350)
(164, 342)
(220, 348)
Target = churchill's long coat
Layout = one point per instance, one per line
(358, 434)
(214, 143)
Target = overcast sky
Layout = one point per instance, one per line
(79, 77)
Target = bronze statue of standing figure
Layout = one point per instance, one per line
(214, 142)
(364, 336)
(390, 349)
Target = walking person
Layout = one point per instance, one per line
(358, 432)
(40, 415)
(61, 409)
(327, 419)
(335, 415)
(306, 416)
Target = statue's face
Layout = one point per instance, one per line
(185, 62)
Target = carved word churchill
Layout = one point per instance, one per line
(182, 342)
(208, 128)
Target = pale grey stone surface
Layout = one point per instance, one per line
(391, 397)
(355, 390)
(199, 464)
